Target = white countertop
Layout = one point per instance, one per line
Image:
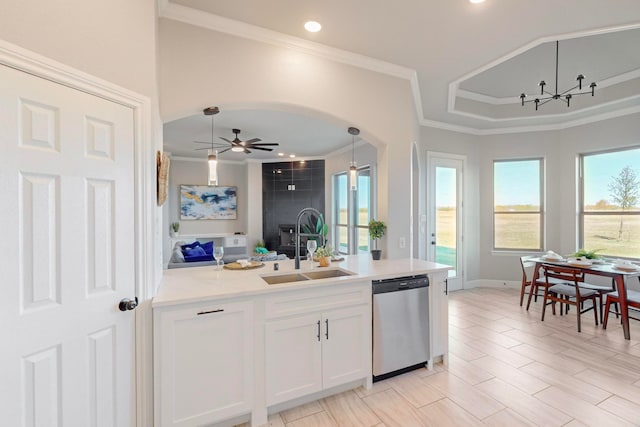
(184, 285)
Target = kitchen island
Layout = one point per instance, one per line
(229, 347)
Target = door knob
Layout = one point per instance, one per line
(128, 304)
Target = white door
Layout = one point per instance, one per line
(346, 344)
(293, 357)
(66, 256)
(445, 233)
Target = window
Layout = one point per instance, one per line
(352, 212)
(341, 212)
(518, 204)
(610, 194)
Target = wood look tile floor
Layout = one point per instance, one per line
(506, 368)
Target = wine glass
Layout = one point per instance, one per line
(312, 245)
(218, 253)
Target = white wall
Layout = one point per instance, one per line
(560, 150)
(199, 67)
(195, 172)
(114, 40)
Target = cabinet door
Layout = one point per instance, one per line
(292, 358)
(205, 364)
(439, 316)
(346, 345)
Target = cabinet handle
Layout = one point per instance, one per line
(318, 330)
(446, 286)
(326, 321)
(209, 312)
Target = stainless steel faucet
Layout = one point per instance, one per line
(298, 234)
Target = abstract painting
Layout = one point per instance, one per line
(208, 202)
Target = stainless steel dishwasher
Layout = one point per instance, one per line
(400, 325)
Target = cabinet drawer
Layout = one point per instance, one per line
(303, 301)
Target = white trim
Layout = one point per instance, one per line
(490, 283)
(453, 86)
(494, 100)
(144, 196)
(210, 21)
(242, 29)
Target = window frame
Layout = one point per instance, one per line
(581, 197)
(541, 212)
(352, 211)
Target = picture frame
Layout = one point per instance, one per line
(205, 202)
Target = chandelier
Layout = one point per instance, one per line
(564, 96)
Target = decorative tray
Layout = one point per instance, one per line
(237, 266)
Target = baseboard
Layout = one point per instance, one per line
(489, 283)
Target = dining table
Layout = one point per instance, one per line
(619, 274)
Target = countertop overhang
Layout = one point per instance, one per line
(198, 284)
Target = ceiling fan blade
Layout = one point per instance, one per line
(198, 149)
(260, 148)
(251, 141)
(225, 139)
(224, 151)
(265, 143)
(247, 151)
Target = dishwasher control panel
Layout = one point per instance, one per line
(400, 284)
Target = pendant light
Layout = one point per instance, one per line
(353, 168)
(212, 158)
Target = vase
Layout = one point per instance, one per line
(325, 261)
(376, 254)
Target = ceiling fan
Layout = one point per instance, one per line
(240, 146)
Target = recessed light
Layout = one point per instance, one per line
(280, 154)
(292, 155)
(476, 1)
(312, 26)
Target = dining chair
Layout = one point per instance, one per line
(633, 300)
(568, 293)
(526, 263)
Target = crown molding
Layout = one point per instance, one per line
(221, 24)
(213, 22)
(494, 100)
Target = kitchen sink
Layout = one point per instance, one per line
(325, 274)
(284, 278)
(307, 275)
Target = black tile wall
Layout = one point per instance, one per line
(280, 204)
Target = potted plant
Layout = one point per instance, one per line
(175, 228)
(583, 253)
(316, 225)
(377, 229)
(260, 248)
(323, 254)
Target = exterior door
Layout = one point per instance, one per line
(444, 238)
(66, 256)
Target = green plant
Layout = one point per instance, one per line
(260, 244)
(582, 253)
(316, 225)
(324, 251)
(175, 226)
(377, 229)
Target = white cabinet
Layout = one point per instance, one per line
(439, 316)
(307, 353)
(203, 362)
